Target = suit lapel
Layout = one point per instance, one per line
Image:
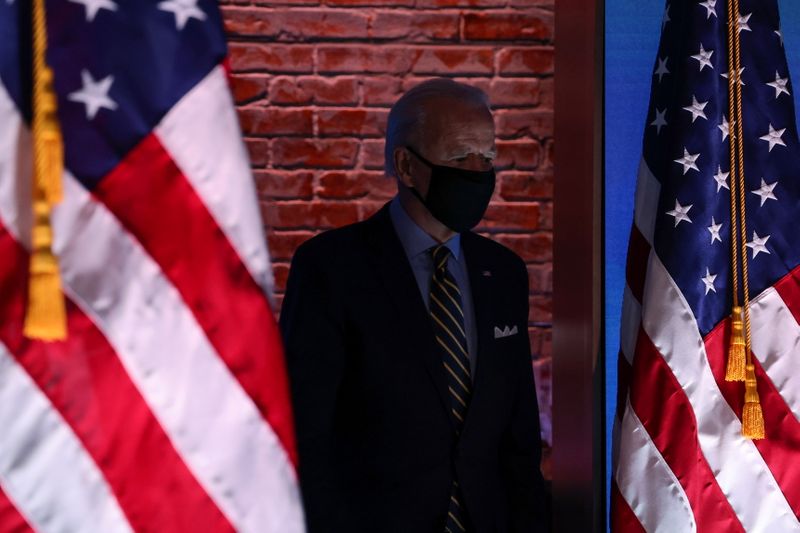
(481, 286)
(394, 270)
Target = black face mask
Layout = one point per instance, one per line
(457, 198)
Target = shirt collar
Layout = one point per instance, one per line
(413, 238)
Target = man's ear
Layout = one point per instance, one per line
(402, 166)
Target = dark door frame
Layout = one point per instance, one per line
(578, 369)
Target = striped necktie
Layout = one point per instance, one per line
(447, 315)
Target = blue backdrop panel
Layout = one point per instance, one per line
(632, 31)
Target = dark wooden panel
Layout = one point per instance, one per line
(578, 425)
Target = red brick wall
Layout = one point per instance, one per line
(314, 80)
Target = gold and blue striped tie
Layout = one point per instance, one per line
(447, 315)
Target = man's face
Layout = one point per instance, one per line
(457, 134)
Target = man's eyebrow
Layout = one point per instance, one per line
(464, 151)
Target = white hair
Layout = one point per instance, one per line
(408, 115)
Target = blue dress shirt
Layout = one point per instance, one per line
(417, 244)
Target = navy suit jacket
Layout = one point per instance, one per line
(377, 446)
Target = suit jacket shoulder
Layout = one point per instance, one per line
(328, 243)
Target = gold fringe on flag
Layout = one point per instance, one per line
(45, 316)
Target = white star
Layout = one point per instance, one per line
(680, 213)
(93, 94)
(779, 85)
(704, 58)
(711, 10)
(773, 137)
(741, 81)
(714, 230)
(725, 128)
(708, 281)
(758, 244)
(696, 109)
(779, 33)
(666, 18)
(743, 26)
(765, 191)
(660, 121)
(662, 68)
(721, 178)
(93, 6)
(688, 161)
(183, 11)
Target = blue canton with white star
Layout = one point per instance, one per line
(686, 148)
(119, 66)
(15, 55)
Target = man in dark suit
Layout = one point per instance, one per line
(407, 346)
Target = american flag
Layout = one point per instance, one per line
(681, 462)
(167, 406)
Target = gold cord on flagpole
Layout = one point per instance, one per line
(752, 415)
(735, 369)
(45, 316)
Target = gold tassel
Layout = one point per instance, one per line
(45, 315)
(48, 142)
(736, 352)
(752, 417)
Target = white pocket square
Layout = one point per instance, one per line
(505, 332)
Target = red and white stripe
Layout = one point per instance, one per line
(680, 437)
(45, 471)
(167, 409)
(202, 135)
